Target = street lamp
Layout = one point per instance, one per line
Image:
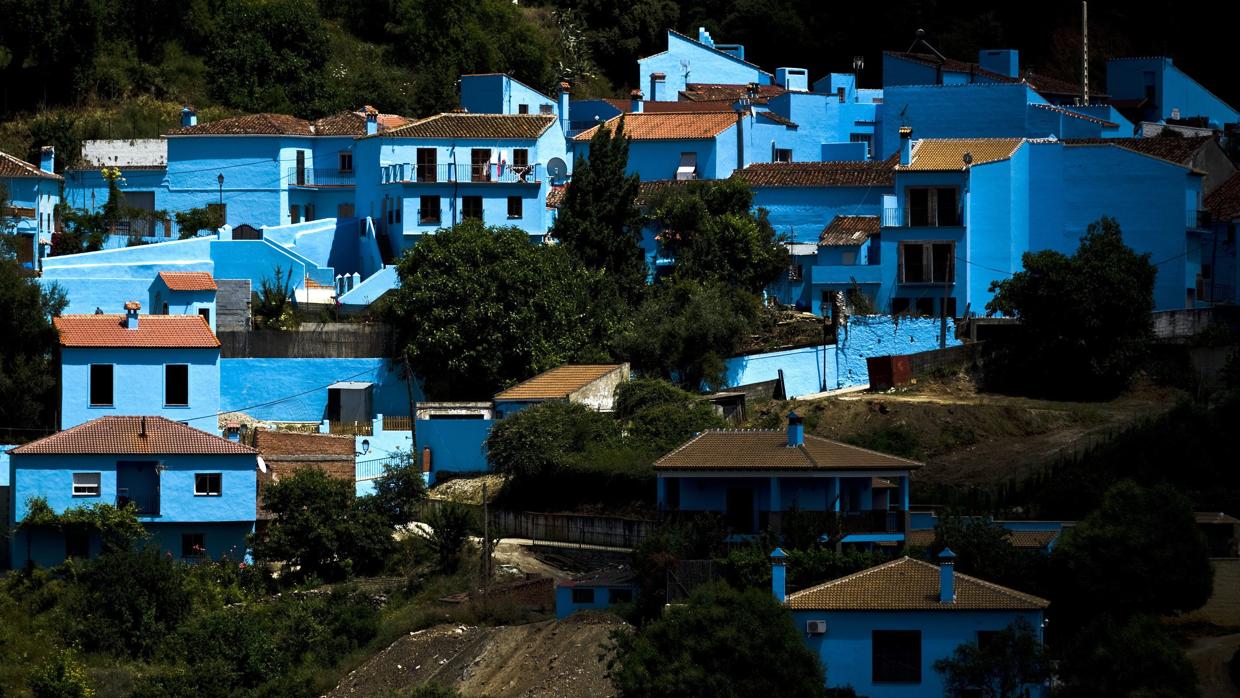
(220, 179)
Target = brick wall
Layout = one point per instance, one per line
(285, 453)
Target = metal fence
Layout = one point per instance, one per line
(319, 341)
(397, 423)
(351, 428)
(371, 469)
(570, 529)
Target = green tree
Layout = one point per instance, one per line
(598, 221)
(545, 439)
(722, 643)
(1137, 657)
(399, 490)
(983, 548)
(449, 526)
(28, 342)
(637, 394)
(481, 308)
(1002, 667)
(191, 222)
(1139, 552)
(1085, 319)
(62, 676)
(685, 330)
(661, 416)
(711, 230)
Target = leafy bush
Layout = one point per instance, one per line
(62, 677)
(274, 304)
(450, 524)
(399, 489)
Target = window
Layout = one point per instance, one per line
(164, 309)
(480, 165)
(176, 384)
(523, 109)
(927, 262)
(301, 167)
(400, 205)
(294, 213)
(514, 207)
(620, 595)
(309, 212)
(427, 159)
(544, 109)
(346, 163)
(77, 543)
(428, 209)
(782, 155)
(471, 207)
(520, 157)
(205, 314)
(688, 166)
(583, 596)
(86, 484)
(896, 656)
(932, 207)
(207, 484)
(899, 306)
(193, 544)
(795, 271)
(867, 138)
(344, 210)
(101, 384)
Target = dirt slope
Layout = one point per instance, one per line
(552, 658)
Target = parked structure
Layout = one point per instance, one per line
(193, 491)
(184, 293)
(33, 194)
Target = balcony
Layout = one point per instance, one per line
(146, 503)
(319, 178)
(483, 173)
(1198, 219)
(835, 523)
(933, 217)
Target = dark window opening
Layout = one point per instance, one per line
(427, 162)
(346, 163)
(428, 209)
(101, 384)
(520, 157)
(301, 167)
(176, 384)
(896, 656)
(193, 544)
(205, 314)
(523, 109)
(932, 207)
(207, 484)
(471, 207)
(514, 207)
(783, 155)
(927, 262)
(480, 165)
(583, 596)
(795, 272)
(294, 213)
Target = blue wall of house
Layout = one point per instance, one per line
(565, 606)
(658, 159)
(38, 193)
(1173, 89)
(247, 385)
(846, 491)
(457, 445)
(138, 385)
(802, 213)
(845, 650)
(981, 110)
(686, 60)
(500, 94)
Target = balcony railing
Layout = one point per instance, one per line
(482, 173)
(1198, 218)
(430, 216)
(934, 217)
(832, 524)
(350, 428)
(309, 177)
(146, 503)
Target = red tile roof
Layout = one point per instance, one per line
(485, 126)
(559, 382)
(910, 585)
(555, 195)
(768, 449)
(668, 126)
(728, 94)
(1177, 150)
(349, 123)
(154, 331)
(860, 173)
(188, 280)
(1224, 202)
(11, 167)
(845, 231)
(124, 436)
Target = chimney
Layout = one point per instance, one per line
(906, 145)
(131, 314)
(947, 576)
(635, 101)
(657, 86)
(372, 120)
(796, 430)
(189, 117)
(426, 459)
(1002, 61)
(705, 38)
(562, 96)
(47, 158)
(778, 575)
(142, 427)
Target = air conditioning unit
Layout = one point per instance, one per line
(816, 627)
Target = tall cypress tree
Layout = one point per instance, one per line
(598, 222)
(27, 347)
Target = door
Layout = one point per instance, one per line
(480, 165)
(739, 510)
(301, 167)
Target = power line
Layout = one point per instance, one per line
(277, 401)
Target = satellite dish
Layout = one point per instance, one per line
(556, 168)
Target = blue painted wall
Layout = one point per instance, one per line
(802, 213)
(705, 64)
(1127, 79)
(247, 385)
(845, 650)
(565, 607)
(457, 445)
(138, 385)
(39, 193)
(500, 94)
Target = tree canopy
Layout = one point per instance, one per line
(1085, 318)
(1002, 667)
(28, 343)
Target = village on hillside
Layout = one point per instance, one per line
(914, 379)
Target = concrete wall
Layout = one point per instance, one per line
(138, 385)
(845, 650)
(295, 390)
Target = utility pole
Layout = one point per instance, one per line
(1085, 52)
(486, 542)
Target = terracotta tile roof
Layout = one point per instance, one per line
(487, 126)
(1224, 202)
(948, 153)
(1177, 150)
(845, 173)
(767, 449)
(777, 118)
(846, 231)
(11, 167)
(122, 436)
(249, 125)
(1073, 114)
(909, 585)
(353, 123)
(154, 331)
(729, 94)
(922, 538)
(1037, 540)
(559, 382)
(668, 126)
(188, 280)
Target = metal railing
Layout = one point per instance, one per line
(396, 422)
(145, 503)
(371, 469)
(312, 177)
(896, 217)
(483, 173)
(351, 428)
(432, 217)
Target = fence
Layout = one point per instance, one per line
(351, 428)
(925, 362)
(371, 469)
(573, 529)
(333, 340)
(397, 423)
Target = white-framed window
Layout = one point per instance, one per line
(86, 484)
(207, 484)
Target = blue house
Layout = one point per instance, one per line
(1220, 267)
(33, 193)
(664, 75)
(143, 167)
(1153, 89)
(497, 93)
(131, 364)
(451, 437)
(754, 477)
(882, 629)
(596, 591)
(676, 145)
(994, 66)
(184, 293)
(436, 172)
(193, 492)
(802, 198)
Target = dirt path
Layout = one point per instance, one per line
(553, 658)
(1209, 656)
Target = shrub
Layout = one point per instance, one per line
(63, 676)
(450, 525)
